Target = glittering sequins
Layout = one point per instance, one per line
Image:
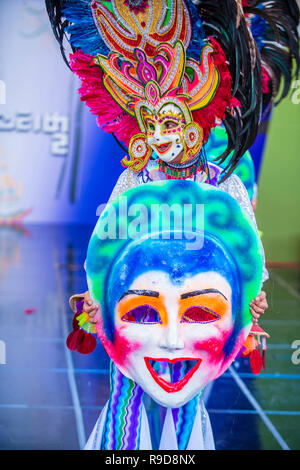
(141, 24)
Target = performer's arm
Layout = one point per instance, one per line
(258, 306)
(127, 179)
(90, 308)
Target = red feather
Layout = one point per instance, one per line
(109, 114)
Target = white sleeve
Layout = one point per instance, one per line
(127, 179)
(234, 186)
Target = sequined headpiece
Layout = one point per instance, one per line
(136, 54)
(139, 84)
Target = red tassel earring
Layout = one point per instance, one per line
(80, 340)
(255, 348)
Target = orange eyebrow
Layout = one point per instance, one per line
(216, 303)
(129, 304)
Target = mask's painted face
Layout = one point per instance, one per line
(170, 338)
(165, 308)
(165, 132)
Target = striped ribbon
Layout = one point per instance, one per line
(123, 419)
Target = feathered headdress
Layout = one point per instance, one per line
(200, 54)
(274, 28)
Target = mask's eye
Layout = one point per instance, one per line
(150, 126)
(167, 125)
(142, 314)
(199, 315)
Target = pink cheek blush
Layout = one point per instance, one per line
(238, 346)
(214, 346)
(120, 349)
(123, 347)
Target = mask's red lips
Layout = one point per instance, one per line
(163, 148)
(176, 386)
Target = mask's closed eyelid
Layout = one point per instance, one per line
(199, 314)
(142, 314)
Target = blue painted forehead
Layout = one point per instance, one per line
(171, 257)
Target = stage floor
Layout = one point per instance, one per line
(50, 398)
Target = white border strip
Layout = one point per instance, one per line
(259, 409)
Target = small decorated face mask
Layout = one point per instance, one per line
(165, 132)
(173, 336)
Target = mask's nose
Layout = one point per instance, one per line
(157, 133)
(170, 338)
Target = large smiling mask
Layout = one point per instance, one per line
(174, 292)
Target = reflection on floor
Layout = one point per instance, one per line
(50, 398)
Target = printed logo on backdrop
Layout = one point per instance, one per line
(2, 92)
(2, 352)
(52, 124)
(42, 124)
(12, 211)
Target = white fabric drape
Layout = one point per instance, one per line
(201, 437)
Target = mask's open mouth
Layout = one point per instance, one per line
(161, 149)
(172, 375)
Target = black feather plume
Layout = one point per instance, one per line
(58, 23)
(274, 25)
(225, 22)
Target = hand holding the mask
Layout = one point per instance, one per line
(258, 306)
(90, 308)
